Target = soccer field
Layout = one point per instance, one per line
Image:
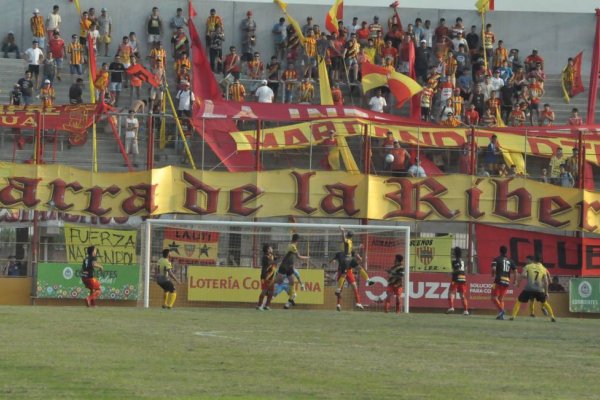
(128, 353)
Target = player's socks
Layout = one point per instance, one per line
(172, 299)
(498, 304)
(548, 308)
(363, 274)
(532, 308)
(340, 283)
(88, 302)
(451, 303)
(465, 303)
(166, 302)
(356, 294)
(515, 310)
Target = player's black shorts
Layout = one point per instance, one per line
(286, 270)
(165, 284)
(527, 295)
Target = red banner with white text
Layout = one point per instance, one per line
(562, 255)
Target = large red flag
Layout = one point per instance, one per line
(142, 73)
(577, 82)
(205, 86)
(335, 14)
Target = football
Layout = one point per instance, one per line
(389, 158)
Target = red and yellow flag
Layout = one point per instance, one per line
(484, 6)
(335, 14)
(571, 81)
(401, 86)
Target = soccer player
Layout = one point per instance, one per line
(502, 269)
(267, 278)
(536, 288)
(165, 279)
(87, 276)
(286, 268)
(346, 273)
(395, 284)
(531, 260)
(284, 286)
(459, 283)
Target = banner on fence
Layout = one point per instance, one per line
(303, 193)
(63, 281)
(429, 290)
(426, 254)
(584, 295)
(233, 284)
(190, 246)
(562, 255)
(114, 246)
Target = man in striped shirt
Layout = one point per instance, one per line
(350, 56)
(38, 30)
(75, 52)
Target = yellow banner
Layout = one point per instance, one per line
(301, 193)
(431, 254)
(114, 246)
(243, 285)
(302, 135)
(189, 246)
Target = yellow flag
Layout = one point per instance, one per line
(482, 6)
(291, 20)
(324, 88)
(78, 7)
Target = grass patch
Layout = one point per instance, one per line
(128, 353)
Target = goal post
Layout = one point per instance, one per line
(220, 243)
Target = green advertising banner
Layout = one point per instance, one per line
(62, 281)
(584, 295)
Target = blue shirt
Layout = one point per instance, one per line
(279, 33)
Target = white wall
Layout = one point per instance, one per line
(557, 35)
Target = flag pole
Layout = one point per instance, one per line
(179, 127)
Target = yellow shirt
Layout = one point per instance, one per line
(164, 266)
(536, 274)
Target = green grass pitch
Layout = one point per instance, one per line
(189, 353)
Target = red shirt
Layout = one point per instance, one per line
(363, 33)
(57, 47)
(575, 121)
(390, 52)
(472, 117)
(440, 32)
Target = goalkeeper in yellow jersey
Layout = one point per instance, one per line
(536, 288)
(348, 260)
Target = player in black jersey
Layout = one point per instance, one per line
(267, 277)
(165, 278)
(459, 283)
(345, 273)
(502, 270)
(286, 268)
(87, 276)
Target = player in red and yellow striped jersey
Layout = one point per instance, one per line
(267, 278)
(237, 91)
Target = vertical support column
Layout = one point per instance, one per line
(150, 144)
(257, 154)
(407, 266)
(147, 255)
(592, 93)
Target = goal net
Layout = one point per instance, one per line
(218, 263)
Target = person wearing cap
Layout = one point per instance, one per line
(132, 127)
(15, 96)
(76, 57)
(47, 94)
(211, 23)
(307, 91)
(105, 29)
(185, 104)
(375, 27)
(56, 51)
(9, 45)
(38, 29)
(248, 27)
(179, 43)
(35, 57)
(154, 26)
(53, 22)
(179, 20)
(158, 56)
(255, 68)
(117, 72)
(264, 93)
